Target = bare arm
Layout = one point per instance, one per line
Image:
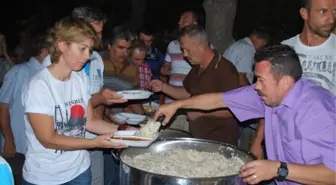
(177, 93)
(311, 174)
(259, 137)
(137, 108)
(203, 102)
(43, 127)
(96, 100)
(99, 126)
(256, 146)
(106, 97)
(5, 127)
(259, 170)
(164, 79)
(5, 122)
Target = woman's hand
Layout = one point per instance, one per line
(103, 142)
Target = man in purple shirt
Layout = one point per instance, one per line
(299, 117)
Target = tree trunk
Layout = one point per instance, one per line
(220, 16)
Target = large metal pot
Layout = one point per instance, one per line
(164, 134)
(133, 176)
(174, 133)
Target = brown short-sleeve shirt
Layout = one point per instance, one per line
(129, 72)
(219, 76)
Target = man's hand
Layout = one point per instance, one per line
(9, 148)
(168, 110)
(165, 69)
(155, 86)
(195, 115)
(260, 170)
(109, 97)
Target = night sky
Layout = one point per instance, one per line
(280, 15)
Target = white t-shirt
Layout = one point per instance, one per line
(92, 74)
(179, 67)
(67, 103)
(318, 62)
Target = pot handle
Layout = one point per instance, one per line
(116, 155)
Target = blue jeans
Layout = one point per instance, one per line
(83, 179)
(111, 170)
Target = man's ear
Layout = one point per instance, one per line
(304, 13)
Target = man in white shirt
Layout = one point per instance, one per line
(12, 125)
(316, 46)
(241, 53)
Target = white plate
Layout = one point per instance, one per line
(135, 94)
(120, 118)
(132, 142)
(129, 118)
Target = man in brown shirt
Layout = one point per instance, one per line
(119, 73)
(210, 73)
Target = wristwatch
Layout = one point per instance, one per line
(282, 171)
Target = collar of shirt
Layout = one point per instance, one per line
(248, 40)
(34, 63)
(293, 94)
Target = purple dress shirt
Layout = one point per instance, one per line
(301, 130)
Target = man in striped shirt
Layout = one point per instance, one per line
(174, 57)
(177, 67)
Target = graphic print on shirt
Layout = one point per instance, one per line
(71, 121)
(319, 68)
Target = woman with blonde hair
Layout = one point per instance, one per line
(58, 111)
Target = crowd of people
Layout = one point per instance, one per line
(57, 108)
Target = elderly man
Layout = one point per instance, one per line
(208, 68)
(299, 120)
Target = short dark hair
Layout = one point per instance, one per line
(138, 44)
(306, 4)
(195, 32)
(37, 43)
(119, 33)
(194, 14)
(262, 33)
(88, 14)
(283, 59)
(146, 31)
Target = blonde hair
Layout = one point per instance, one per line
(71, 31)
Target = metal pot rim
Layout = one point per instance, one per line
(178, 130)
(193, 178)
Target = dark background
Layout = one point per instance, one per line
(282, 16)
